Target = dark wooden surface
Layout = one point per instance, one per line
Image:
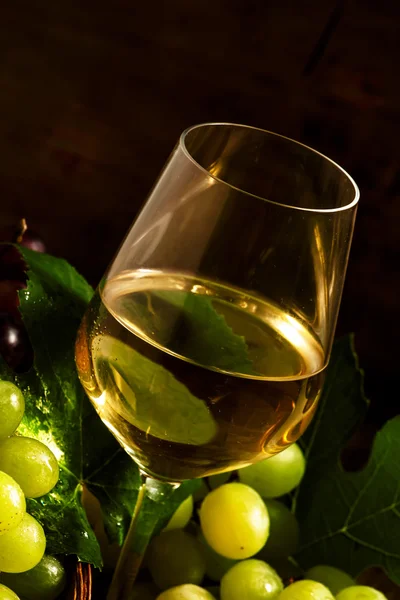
(94, 95)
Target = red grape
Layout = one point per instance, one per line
(24, 236)
(15, 347)
(31, 240)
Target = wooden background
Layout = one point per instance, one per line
(94, 95)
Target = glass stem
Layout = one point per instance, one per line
(139, 535)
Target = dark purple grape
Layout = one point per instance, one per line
(28, 238)
(12, 265)
(24, 236)
(31, 240)
(9, 300)
(15, 346)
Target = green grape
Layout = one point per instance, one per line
(360, 592)
(284, 533)
(7, 594)
(334, 579)
(175, 558)
(144, 591)
(12, 407)
(201, 492)
(306, 590)
(234, 521)
(181, 516)
(215, 481)
(31, 463)
(12, 503)
(46, 581)
(216, 565)
(251, 580)
(277, 475)
(186, 592)
(23, 547)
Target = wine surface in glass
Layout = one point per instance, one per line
(194, 377)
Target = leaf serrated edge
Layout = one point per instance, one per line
(346, 528)
(352, 340)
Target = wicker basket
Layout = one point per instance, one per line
(81, 588)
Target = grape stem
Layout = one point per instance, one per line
(138, 538)
(22, 228)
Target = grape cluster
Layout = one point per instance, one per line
(28, 469)
(15, 347)
(243, 545)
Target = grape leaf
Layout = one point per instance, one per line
(52, 306)
(342, 408)
(59, 413)
(348, 520)
(200, 322)
(166, 407)
(200, 332)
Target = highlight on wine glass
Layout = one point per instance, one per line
(205, 346)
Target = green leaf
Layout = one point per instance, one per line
(52, 306)
(152, 399)
(202, 324)
(59, 413)
(349, 520)
(342, 408)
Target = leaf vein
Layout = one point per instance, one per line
(372, 547)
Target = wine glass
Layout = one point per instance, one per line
(205, 346)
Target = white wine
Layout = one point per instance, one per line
(194, 377)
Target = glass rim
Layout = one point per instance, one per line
(182, 144)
